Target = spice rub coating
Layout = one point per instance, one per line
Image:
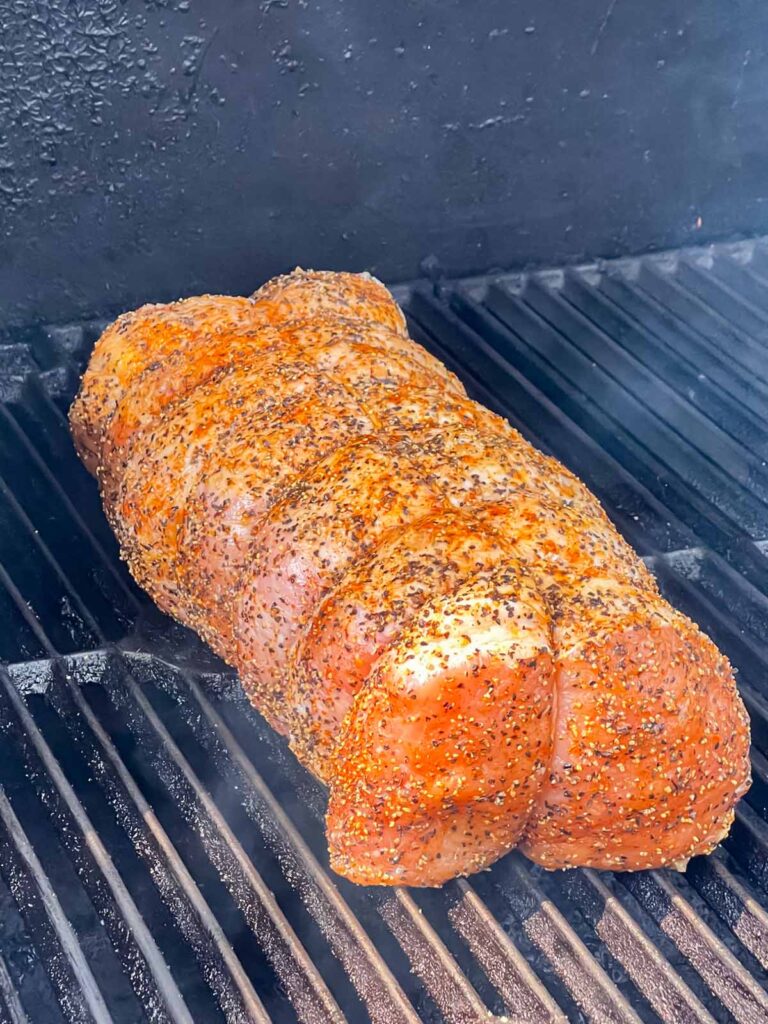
(440, 618)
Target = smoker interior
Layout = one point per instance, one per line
(161, 852)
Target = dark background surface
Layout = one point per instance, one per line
(154, 148)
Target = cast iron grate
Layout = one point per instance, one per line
(161, 852)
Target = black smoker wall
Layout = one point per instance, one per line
(153, 148)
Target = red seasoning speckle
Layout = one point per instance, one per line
(441, 618)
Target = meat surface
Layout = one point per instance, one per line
(440, 618)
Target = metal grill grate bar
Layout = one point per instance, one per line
(129, 930)
(737, 907)
(431, 961)
(301, 978)
(719, 296)
(725, 336)
(363, 962)
(223, 970)
(89, 549)
(731, 983)
(510, 973)
(79, 993)
(12, 1011)
(665, 991)
(635, 322)
(550, 933)
(719, 427)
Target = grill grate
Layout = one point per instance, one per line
(161, 852)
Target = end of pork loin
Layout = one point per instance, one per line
(651, 743)
(622, 752)
(141, 339)
(134, 342)
(445, 748)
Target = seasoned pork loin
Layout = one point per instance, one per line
(441, 619)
